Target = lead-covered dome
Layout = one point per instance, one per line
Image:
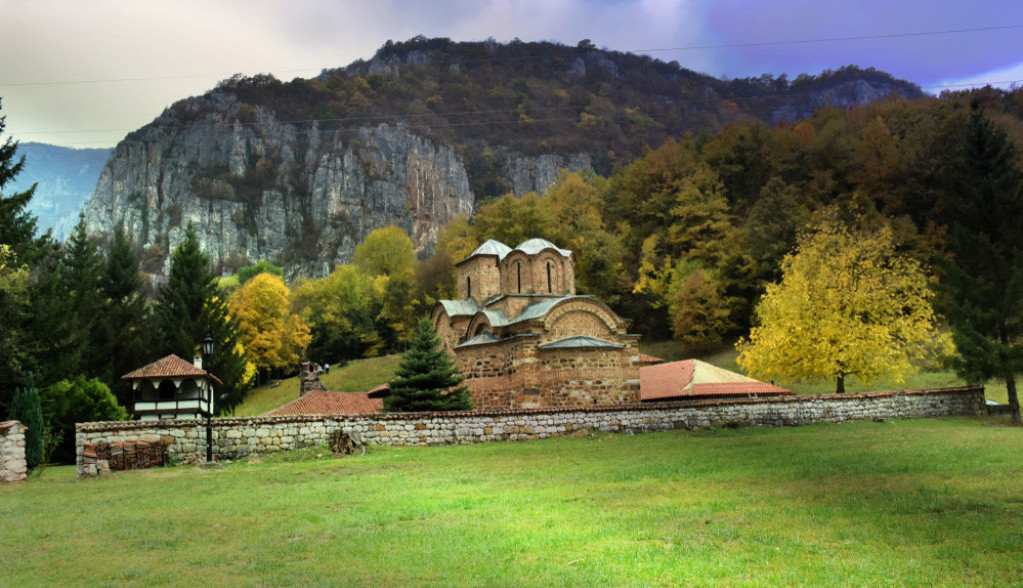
(536, 245)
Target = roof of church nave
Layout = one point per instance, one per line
(529, 247)
(498, 318)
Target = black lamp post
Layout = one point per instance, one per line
(207, 354)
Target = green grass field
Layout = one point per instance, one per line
(898, 503)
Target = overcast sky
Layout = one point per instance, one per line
(85, 73)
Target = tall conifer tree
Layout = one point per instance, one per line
(428, 378)
(982, 285)
(190, 308)
(121, 337)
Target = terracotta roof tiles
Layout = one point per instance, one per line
(694, 379)
(646, 359)
(171, 366)
(325, 403)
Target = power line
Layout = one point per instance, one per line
(974, 85)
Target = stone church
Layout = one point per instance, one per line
(524, 339)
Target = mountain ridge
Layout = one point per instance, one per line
(299, 172)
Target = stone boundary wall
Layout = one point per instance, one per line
(238, 437)
(13, 467)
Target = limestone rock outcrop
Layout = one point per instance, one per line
(289, 192)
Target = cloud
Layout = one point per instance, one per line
(1004, 78)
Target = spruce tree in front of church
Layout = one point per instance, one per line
(428, 378)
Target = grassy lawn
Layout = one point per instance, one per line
(360, 375)
(921, 502)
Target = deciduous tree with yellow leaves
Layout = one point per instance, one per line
(848, 304)
(272, 335)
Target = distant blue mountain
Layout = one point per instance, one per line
(66, 179)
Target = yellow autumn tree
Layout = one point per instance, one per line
(848, 304)
(271, 334)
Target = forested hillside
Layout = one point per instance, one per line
(299, 172)
(490, 99)
(684, 239)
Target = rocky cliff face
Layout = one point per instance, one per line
(841, 95)
(293, 194)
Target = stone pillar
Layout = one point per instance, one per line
(13, 467)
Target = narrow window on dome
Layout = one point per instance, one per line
(549, 290)
(518, 272)
(468, 287)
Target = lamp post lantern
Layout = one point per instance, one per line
(207, 355)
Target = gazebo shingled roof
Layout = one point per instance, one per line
(171, 366)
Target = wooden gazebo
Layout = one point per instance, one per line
(171, 388)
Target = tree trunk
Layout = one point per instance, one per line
(1010, 387)
(840, 384)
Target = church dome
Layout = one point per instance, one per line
(536, 245)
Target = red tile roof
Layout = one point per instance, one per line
(323, 402)
(171, 366)
(380, 391)
(693, 379)
(645, 359)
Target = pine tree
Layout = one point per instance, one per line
(78, 289)
(121, 337)
(25, 407)
(190, 308)
(18, 248)
(17, 225)
(428, 378)
(982, 284)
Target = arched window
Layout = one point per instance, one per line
(468, 287)
(146, 392)
(167, 390)
(549, 289)
(189, 390)
(518, 272)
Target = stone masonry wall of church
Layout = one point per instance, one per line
(482, 276)
(588, 377)
(515, 374)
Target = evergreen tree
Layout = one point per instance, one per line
(17, 225)
(120, 337)
(25, 407)
(428, 378)
(13, 310)
(982, 285)
(189, 308)
(17, 230)
(78, 288)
